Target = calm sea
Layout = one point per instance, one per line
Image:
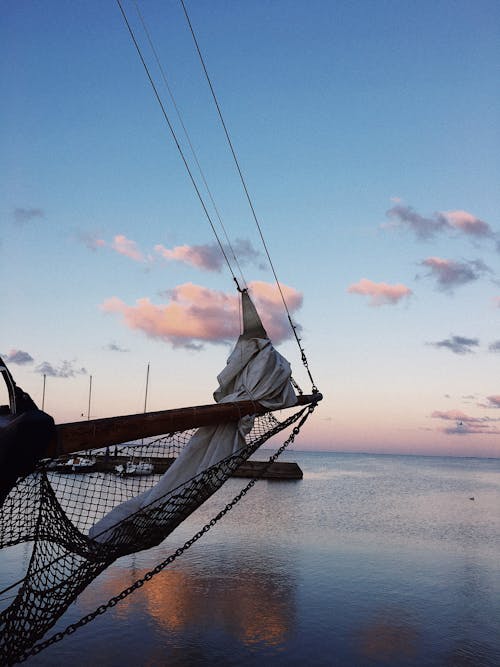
(369, 560)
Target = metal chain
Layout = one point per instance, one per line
(70, 629)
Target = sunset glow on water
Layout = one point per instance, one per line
(369, 560)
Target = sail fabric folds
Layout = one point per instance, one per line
(255, 371)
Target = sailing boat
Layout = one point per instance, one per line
(135, 467)
(75, 537)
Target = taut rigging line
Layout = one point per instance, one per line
(174, 136)
(188, 138)
(245, 188)
(240, 173)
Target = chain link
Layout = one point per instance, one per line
(70, 629)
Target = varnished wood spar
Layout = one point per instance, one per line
(97, 433)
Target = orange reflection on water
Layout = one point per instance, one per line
(249, 605)
(388, 637)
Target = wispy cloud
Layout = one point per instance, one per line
(450, 274)
(124, 246)
(468, 224)
(209, 257)
(66, 369)
(196, 315)
(380, 293)
(426, 227)
(464, 424)
(18, 357)
(457, 344)
(493, 401)
(495, 346)
(422, 227)
(114, 347)
(91, 241)
(23, 215)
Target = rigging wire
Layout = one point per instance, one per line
(188, 138)
(174, 136)
(245, 188)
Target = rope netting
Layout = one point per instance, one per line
(55, 507)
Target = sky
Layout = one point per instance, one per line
(368, 135)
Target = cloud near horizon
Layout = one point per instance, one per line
(380, 293)
(494, 401)
(114, 347)
(196, 315)
(457, 344)
(65, 370)
(428, 227)
(18, 357)
(495, 346)
(450, 274)
(464, 424)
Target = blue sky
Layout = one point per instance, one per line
(339, 112)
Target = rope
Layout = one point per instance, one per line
(245, 188)
(188, 139)
(112, 602)
(174, 136)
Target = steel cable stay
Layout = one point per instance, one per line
(188, 139)
(191, 176)
(176, 141)
(247, 194)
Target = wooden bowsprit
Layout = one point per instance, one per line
(98, 433)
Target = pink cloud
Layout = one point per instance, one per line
(380, 293)
(464, 424)
(468, 224)
(494, 401)
(124, 246)
(18, 357)
(195, 315)
(90, 240)
(208, 257)
(496, 301)
(426, 227)
(450, 274)
(454, 415)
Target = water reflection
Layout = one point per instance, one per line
(367, 561)
(250, 601)
(388, 637)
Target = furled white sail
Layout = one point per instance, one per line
(255, 371)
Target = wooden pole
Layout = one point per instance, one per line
(43, 392)
(97, 433)
(90, 395)
(146, 392)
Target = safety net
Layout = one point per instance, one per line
(84, 512)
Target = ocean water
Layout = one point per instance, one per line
(369, 560)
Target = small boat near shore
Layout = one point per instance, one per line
(135, 469)
(77, 464)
